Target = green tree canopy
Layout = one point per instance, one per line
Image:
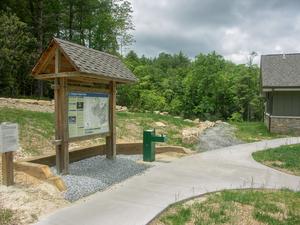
(16, 56)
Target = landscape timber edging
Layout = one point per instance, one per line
(122, 149)
(41, 172)
(39, 167)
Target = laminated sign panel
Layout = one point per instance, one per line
(9, 140)
(88, 114)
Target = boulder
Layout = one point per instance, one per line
(160, 124)
(191, 135)
(121, 108)
(196, 121)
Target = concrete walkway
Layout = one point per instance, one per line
(139, 199)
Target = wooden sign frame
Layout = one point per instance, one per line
(64, 85)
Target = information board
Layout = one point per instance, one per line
(88, 113)
(9, 137)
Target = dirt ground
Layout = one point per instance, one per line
(30, 198)
(28, 104)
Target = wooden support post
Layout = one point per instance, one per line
(111, 149)
(7, 168)
(61, 127)
(64, 124)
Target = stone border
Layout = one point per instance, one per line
(282, 124)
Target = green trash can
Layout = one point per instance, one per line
(149, 139)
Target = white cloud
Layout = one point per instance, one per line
(233, 28)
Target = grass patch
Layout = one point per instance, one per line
(37, 128)
(253, 131)
(181, 217)
(6, 216)
(132, 125)
(236, 207)
(39, 122)
(286, 158)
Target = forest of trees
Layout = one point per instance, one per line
(27, 26)
(207, 87)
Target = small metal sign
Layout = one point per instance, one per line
(9, 137)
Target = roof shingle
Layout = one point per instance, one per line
(280, 70)
(87, 60)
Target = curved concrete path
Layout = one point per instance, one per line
(139, 199)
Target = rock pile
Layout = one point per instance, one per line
(191, 135)
(121, 108)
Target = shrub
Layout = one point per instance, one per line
(152, 101)
(236, 117)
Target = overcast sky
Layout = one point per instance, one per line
(233, 28)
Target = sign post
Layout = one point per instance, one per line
(9, 142)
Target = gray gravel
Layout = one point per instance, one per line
(219, 136)
(97, 173)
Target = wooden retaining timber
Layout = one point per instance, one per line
(39, 167)
(122, 149)
(41, 172)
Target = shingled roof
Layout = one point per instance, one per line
(280, 70)
(94, 62)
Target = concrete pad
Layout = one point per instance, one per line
(139, 199)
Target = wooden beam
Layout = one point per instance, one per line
(77, 83)
(47, 55)
(87, 89)
(56, 75)
(111, 149)
(85, 77)
(90, 79)
(57, 113)
(7, 168)
(65, 131)
(61, 126)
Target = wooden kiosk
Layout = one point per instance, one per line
(84, 84)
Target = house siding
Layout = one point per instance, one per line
(286, 103)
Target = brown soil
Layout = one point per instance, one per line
(30, 198)
(28, 104)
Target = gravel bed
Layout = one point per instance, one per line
(220, 136)
(97, 173)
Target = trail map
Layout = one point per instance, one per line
(87, 114)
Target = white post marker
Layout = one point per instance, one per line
(9, 142)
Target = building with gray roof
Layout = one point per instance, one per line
(280, 85)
